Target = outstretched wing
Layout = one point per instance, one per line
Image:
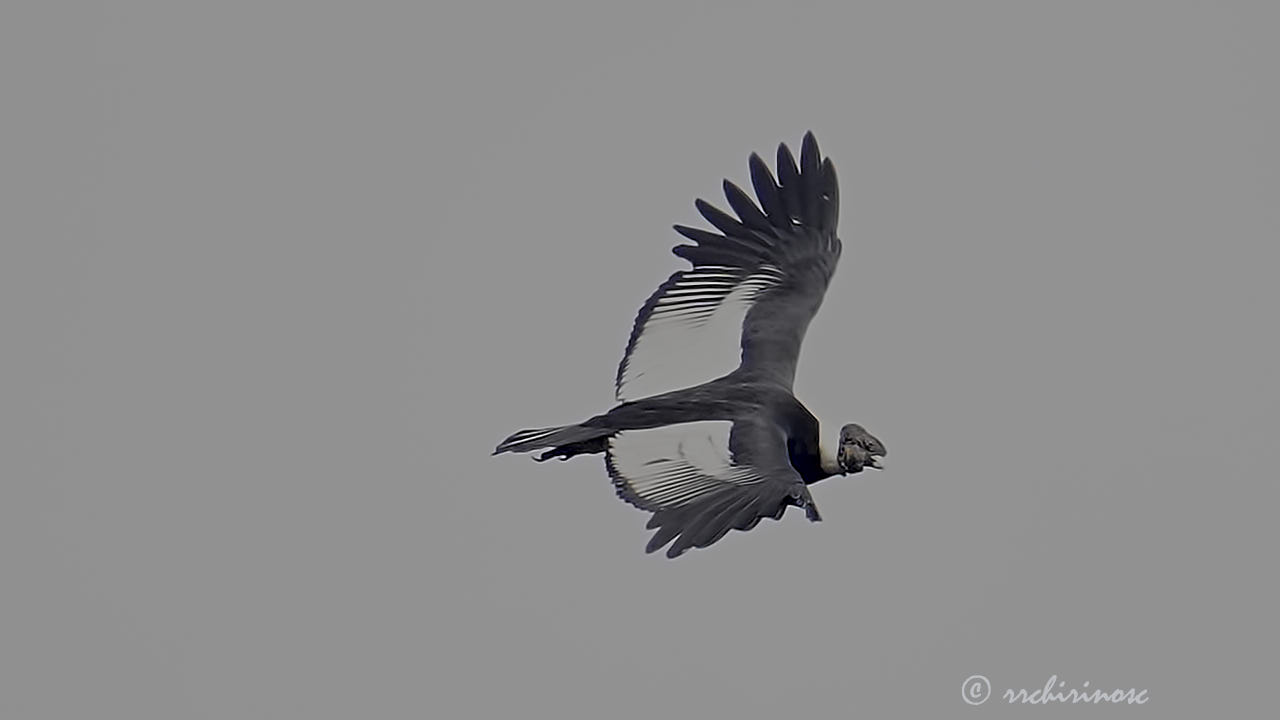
(753, 288)
(702, 479)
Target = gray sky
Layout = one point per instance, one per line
(278, 276)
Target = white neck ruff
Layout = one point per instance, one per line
(827, 458)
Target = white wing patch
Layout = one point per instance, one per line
(694, 332)
(675, 464)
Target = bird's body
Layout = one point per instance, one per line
(708, 434)
(727, 399)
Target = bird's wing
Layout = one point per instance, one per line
(753, 288)
(702, 479)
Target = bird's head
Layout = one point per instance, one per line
(859, 449)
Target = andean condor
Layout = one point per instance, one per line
(708, 435)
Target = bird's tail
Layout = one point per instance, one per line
(565, 441)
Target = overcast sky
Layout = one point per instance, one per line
(276, 277)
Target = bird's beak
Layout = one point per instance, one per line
(876, 462)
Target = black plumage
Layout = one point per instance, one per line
(719, 451)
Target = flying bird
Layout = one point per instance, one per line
(708, 434)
